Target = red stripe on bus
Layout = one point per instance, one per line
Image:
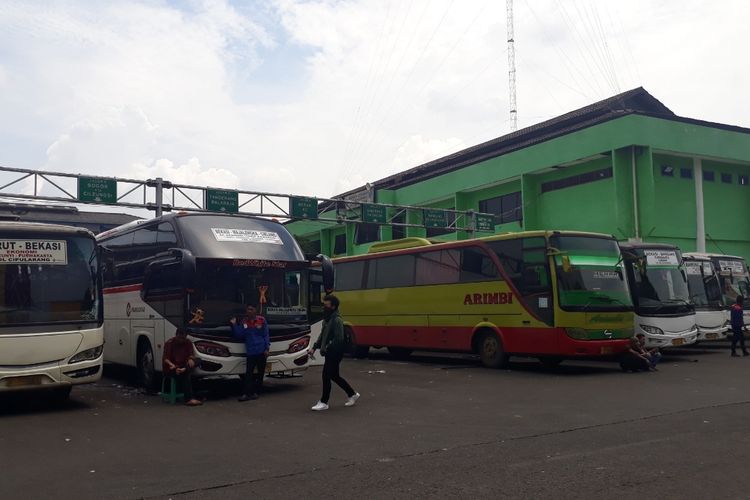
(520, 340)
(123, 289)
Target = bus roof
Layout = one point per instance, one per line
(35, 227)
(643, 245)
(706, 255)
(224, 236)
(409, 243)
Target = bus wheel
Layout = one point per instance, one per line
(491, 351)
(355, 350)
(550, 361)
(146, 369)
(400, 352)
(61, 394)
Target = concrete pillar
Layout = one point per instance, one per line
(530, 202)
(700, 223)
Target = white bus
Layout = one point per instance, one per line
(734, 280)
(50, 308)
(705, 294)
(658, 286)
(196, 271)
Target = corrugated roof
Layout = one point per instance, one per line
(61, 214)
(635, 101)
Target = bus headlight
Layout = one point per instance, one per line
(298, 345)
(652, 330)
(87, 355)
(212, 349)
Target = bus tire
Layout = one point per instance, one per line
(146, 366)
(550, 361)
(355, 350)
(61, 394)
(400, 352)
(490, 350)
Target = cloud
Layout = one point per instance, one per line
(318, 97)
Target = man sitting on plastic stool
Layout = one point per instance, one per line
(178, 362)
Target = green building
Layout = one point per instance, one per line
(626, 166)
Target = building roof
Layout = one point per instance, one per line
(635, 101)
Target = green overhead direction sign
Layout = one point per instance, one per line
(485, 223)
(374, 214)
(97, 190)
(219, 200)
(434, 218)
(303, 208)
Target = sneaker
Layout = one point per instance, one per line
(253, 396)
(350, 401)
(244, 398)
(735, 355)
(745, 353)
(319, 406)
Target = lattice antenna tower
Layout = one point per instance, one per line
(511, 67)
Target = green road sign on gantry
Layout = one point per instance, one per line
(303, 208)
(434, 218)
(96, 190)
(374, 214)
(485, 223)
(218, 200)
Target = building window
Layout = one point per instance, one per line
(339, 244)
(726, 178)
(708, 175)
(367, 233)
(667, 170)
(506, 208)
(686, 173)
(575, 180)
(743, 180)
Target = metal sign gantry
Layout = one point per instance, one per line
(161, 195)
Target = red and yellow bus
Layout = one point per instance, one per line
(546, 294)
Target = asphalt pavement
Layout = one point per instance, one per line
(436, 426)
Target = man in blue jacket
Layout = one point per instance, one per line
(253, 330)
(738, 324)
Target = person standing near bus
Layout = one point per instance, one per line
(253, 330)
(178, 361)
(332, 344)
(738, 324)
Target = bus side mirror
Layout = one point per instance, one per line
(566, 265)
(328, 272)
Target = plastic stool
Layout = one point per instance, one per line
(172, 396)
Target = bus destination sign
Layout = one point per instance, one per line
(303, 208)
(218, 200)
(33, 252)
(97, 190)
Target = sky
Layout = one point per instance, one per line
(319, 97)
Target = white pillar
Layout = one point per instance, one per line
(700, 222)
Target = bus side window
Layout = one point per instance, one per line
(350, 275)
(476, 266)
(525, 262)
(166, 237)
(394, 272)
(437, 267)
(116, 257)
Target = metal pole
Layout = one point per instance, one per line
(159, 195)
(700, 222)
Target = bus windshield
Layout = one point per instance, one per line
(658, 282)
(703, 284)
(734, 280)
(223, 291)
(590, 274)
(48, 280)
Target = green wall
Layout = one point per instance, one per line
(629, 204)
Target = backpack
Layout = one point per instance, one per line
(348, 341)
